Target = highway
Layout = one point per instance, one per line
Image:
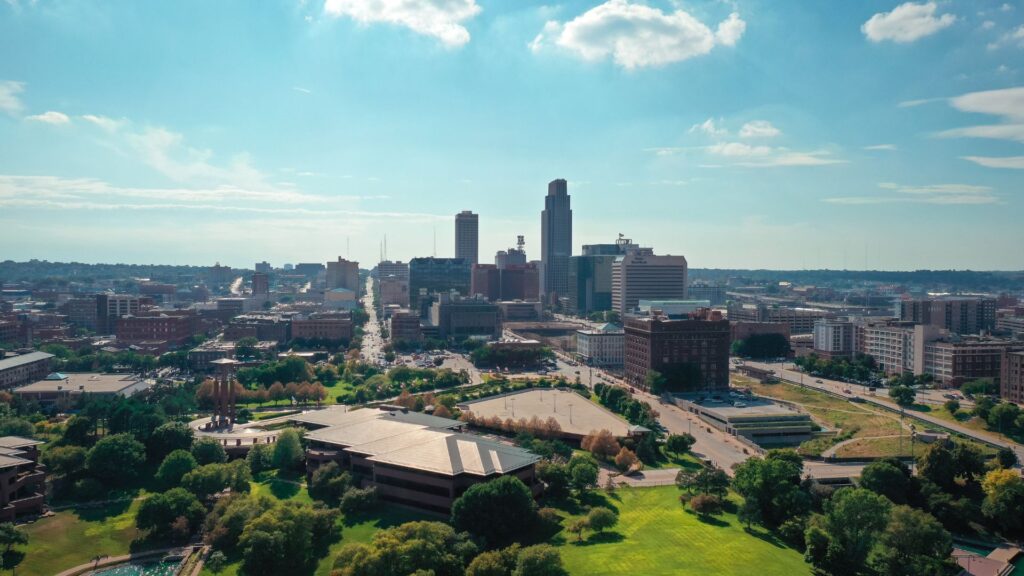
(929, 396)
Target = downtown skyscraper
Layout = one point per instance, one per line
(467, 236)
(556, 240)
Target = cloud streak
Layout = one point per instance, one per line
(906, 23)
(941, 194)
(441, 19)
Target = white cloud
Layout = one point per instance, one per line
(919, 102)
(441, 19)
(988, 25)
(637, 36)
(759, 129)
(906, 23)
(949, 194)
(50, 117)
(1006, 7)
(1012, 162)
(708, 127)
(881, 147)
(108, 124)
(302, 90)
(1007, 103)
(743, 154)
(9, 101)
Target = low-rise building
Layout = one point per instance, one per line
(63, 390)
(176, 328)
(274, 327)
(602, 346)
(22, 478)
(25, 368)
(1011, 382)
(696, 349)
(329, 327)
(743, 330)
(520, 311)
(800, 320)
(405, 326)
(459, 318)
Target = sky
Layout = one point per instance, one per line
(741, 134)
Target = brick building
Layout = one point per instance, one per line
(176, 328)
(332, 327)
(405, 327)
(699, 344)
(1011, 382)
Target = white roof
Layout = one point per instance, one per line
(23, 359)
(453, 454)
(86, 382)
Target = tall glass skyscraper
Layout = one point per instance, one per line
(556, 240)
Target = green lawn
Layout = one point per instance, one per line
(657, 536)
(73, 537)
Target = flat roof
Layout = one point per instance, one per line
(362, 433)
(453, 454)
(85, 382)
(753, 408)
(9, 461)
(574, 413)
(18, 442)
(23, 359)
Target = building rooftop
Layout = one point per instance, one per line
(17, 442)
(11, 461)
(452, 454)
(23, 359)
(85, 382)
(574, 413)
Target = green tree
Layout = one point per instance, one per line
(706, 505)
(888, 477)
(600, 519)
(167, 438)
(1003, 417)
(159, 512)
(556, 479)
(500, 511)
(771, 489)
(174, 467)
(654, 382)
(914, 543)
(679, 443)
(329, 483)
(952, 406)
(1004, 501)
(260, 458)
(209, 451)
(540, 560)
(495, 562)
(411, 548)
(288, 453)
(1006, 458)
(903, 396)
(116, 459)
(840, 541)
(210, 479)
(583, 472)
(10, 536)
(65, 461)
(79, 431)
(287, 539)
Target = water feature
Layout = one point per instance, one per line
(140, 569)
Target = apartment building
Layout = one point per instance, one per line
(23, 369)
(1011, 382)
(959, 315)
(641, 275)
(834, 339)
(336, 327)
(670, 346)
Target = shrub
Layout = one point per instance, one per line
(706, 504)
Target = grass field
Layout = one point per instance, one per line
(73, 537)
(657, 536)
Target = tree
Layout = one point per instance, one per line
(1004, 501)
(914, 543)
(500, 511)
(116, 459)
(79, 431)
(260, 458)
(583, 472)
(1006, 458)
(679, 443)
(65, 461)
(495, 562)
(540, 560)
(287, 539)
(601, 443)
(771, 489)
(288, 452)
(1003, 417)
(707, 480)
(952, 406)
(329, 483)
(936, 464)
(555, 477)
(167, 438)
(159, 512)
(888, 477)
(213, 478)
(356, 500)
(411, 548)
(246, 347)
(840, 541)
(174, 467)
(276, 392)
(654, 382)
(706, 505)
(903, 396)
(625, 459)
(578, 527)
(10, 536)
(600, 519)
(209, 451)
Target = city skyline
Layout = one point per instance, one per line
(880, 135)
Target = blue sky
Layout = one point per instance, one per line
(741, 134)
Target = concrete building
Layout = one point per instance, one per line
(331, 327)
(556, 241)
(25, 368)
(800, 320)
(411, 458)
(520, 311)
(342, 274)
(458, 318)
(960, 315)
(834, 339)
(1011, 381)
(394, 290)
(405, 327)
(641, 275)
(1012, 325)
(388, 268)
(430, 275)
(63, 390)
(715, 293)
(264, 326)
(341, 299)
(697, 347)
(892, 345)
(22, 478)
(111, 307)
(744, 330)
(467, 236)
(309, 269)
(953, 360)
(513, 282)
(82, 312)
(671, 308)
(603, 346)
(263, 267)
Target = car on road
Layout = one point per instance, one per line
(818, 382)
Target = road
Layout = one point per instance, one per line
(787, 372)
(373, 343)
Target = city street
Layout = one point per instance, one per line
(373, 343)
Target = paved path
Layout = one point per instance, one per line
(114, 560)
(644, 479)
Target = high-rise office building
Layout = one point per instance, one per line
(110, 307)
(343, 274)
(640, 275)
(556, 240)
(260, 283)
(432, 275)
(467, 236)
(590, 276)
